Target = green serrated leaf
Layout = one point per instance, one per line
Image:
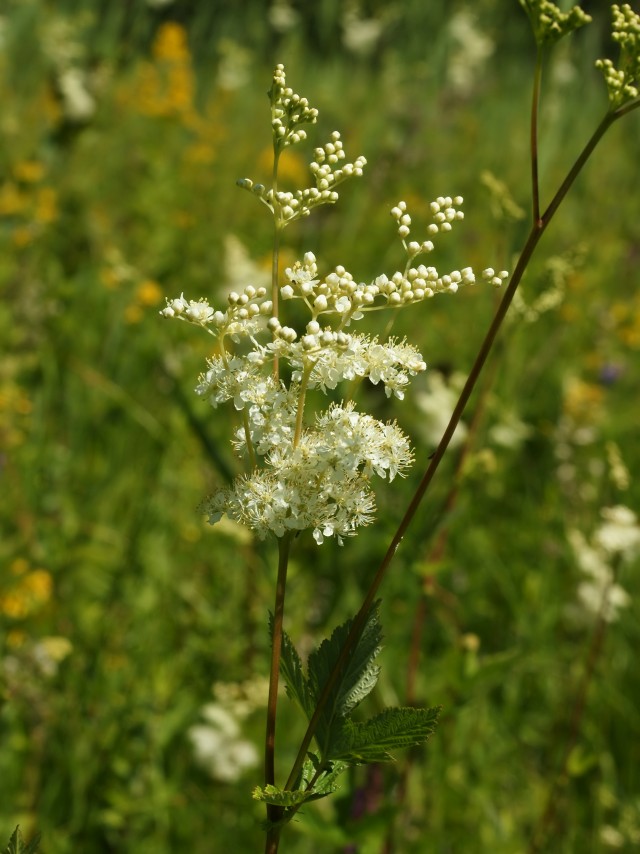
(32, 847)
(17, 846)
(359, 676)
(326, 782)
(292, 672)
(392, 729)
(12, 847)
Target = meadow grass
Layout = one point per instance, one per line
(119, 608)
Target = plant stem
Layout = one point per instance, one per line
(275, 263)
(306, 373)
(247, 437)
(537, 230)
(284, 543)
(535, 102)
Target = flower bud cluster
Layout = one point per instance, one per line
(444, 211)
(240, 317)
(288, 112)
(549, 23)
(338, 293)
(326, 159)
(495, 279)
(287, 206)
(623, 83)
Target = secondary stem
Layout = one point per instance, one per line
(284, 543)
(306, 373)
(275, 264)
(535, 101)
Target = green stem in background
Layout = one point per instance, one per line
(537, 230)
(549, 819)
(438, 548)
(535, 103)
(274, 813)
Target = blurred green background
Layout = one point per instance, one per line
(133, 636)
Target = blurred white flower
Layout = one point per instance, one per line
(239, 267)
(472, 48)
(360, 35)
(234, 64)
(218, 746)
(78, 104)
(49, 652)
(619, 533)
(437, 404)
(282, 16)
(510, 431)
(618, 536)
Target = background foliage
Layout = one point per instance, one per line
(123, 129)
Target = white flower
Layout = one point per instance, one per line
(617, 536)
(437, 405)
(79, 105)
(218, 746)
(619, 533)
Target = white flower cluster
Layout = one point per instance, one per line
(617, 539)
(302, 475)
(322, 482)
(623, 83)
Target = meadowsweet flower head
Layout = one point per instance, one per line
(549, 23)
(304, 472)
(623, 81)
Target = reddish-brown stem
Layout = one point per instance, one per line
(275, 813)
(535, 101)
